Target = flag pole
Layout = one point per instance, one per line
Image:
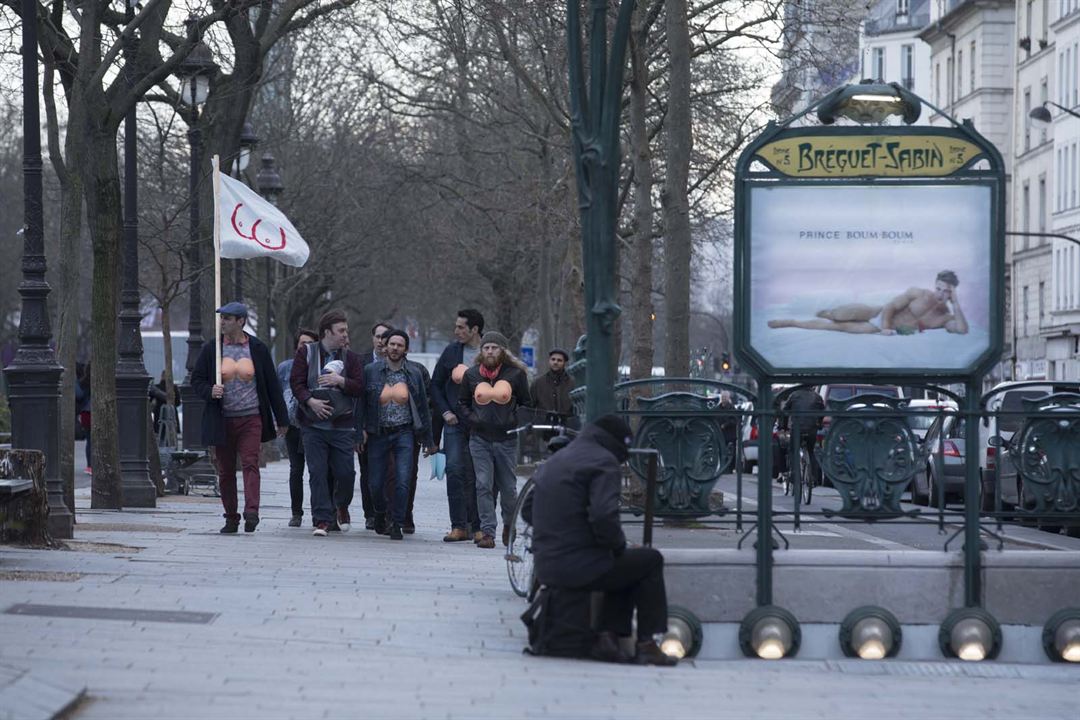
(217, 270)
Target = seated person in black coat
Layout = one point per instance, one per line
(578, 542)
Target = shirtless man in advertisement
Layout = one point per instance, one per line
(911, 312)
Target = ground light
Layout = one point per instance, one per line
(684, 634)
(870, 633)
(1061, 636)
(970, 634)
(770, 633)
(869, 102)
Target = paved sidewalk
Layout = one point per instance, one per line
(355, 625)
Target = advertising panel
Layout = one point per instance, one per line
(870, 277)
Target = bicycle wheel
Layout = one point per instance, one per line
(519, 559)
(806, 476)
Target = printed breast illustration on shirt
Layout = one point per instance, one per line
(500, 392)
(458, 373)
(242, 370)
(397, 393)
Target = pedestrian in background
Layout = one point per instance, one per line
(294, 445)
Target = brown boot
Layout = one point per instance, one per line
(487, 542)
(649, 654)
(456, 535)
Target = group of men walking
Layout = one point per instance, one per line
(330, 402)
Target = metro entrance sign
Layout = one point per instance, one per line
(873, 252)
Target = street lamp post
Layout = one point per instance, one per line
(132, 380)
(248, 141)
(595, 111)
(194, 73)
(269, 184)
(33, 377)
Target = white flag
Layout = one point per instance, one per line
(251, 227)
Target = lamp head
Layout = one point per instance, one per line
(870, 102)
(1040, 115)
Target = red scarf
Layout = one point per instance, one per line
(490, 375)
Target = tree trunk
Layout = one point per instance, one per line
(674, 198)
(103, 210)
(641, 256)
(68, 279)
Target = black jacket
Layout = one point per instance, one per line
(444, 391)
(574, 510)
(491, 421)
(271, 399)
(375, 379)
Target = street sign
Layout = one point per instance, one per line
(528, 356)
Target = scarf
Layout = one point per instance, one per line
(491, 374)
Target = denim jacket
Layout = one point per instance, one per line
(375, 379)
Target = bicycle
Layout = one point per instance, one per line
(519, 558)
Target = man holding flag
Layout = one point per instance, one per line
(235, 375)
(240, 409)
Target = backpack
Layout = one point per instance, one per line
(558, 623)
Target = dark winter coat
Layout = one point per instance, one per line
(271, 399)
(551, 393)
(574, 510)
(353, 387)
(492, 421)
(444, 391)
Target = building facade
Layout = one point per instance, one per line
(889, 46)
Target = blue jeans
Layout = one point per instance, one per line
(400, 443)
(495, 462)
(329, 451)
(460, 479)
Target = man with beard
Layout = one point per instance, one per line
(491, 392)
(327, 381)
(458, 357)
(395, 418)
(551, 391)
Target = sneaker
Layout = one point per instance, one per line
(456, 535)
(649, 654)
(395, 532)
(320, 529)
(506, 536)
(343, 520)
(487, 542)
(369, 522)
(382, 527)
(231, 527)
(251, 521)
(295, 520)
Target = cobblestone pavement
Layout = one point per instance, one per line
(355, 625)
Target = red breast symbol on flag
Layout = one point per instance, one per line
(246, 224)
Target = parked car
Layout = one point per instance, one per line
(920, 423)
(934, 486)
(999, 473)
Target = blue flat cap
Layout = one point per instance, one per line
(237, 309)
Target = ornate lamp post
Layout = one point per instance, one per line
(595, 112)
(248, 141)
(132, 379)
(194, 74)
(269, 184)
(33, 377)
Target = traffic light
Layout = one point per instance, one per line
(725, 362)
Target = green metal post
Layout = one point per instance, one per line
(764, 519)
(595, 120)
(972, 539)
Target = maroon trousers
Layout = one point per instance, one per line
(243, 436)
